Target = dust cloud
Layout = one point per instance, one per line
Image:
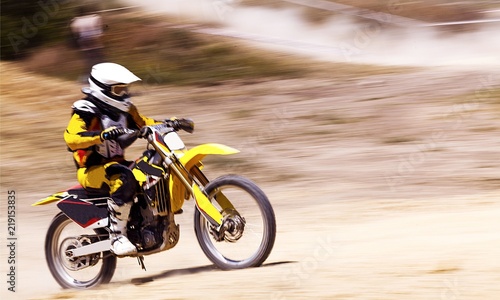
(340, 38)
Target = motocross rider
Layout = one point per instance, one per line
(94, 135)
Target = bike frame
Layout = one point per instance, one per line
(185, 173)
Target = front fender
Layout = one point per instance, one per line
(196, 154)
(189, 159)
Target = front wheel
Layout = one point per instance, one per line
(250, 238)
(76, 272)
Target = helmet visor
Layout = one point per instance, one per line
(119, 90)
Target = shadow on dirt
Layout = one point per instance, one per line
(193, 270)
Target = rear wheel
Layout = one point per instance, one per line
(251, 224)
(76, 272)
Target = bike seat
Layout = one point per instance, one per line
(93, 195)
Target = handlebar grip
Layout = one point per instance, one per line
(144, 131)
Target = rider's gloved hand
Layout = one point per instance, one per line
(185, 124)
(111, 133)
(143, 133)
(172, 122)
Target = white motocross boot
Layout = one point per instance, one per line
(118, 218)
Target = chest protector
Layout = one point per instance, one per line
(110, 149)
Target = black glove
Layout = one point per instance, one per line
(111, 133)
(144, 132)
(185, 124)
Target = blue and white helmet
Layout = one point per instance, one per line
(109, 83)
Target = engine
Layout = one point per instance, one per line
(145, 230)
(152, 224)
(151, 237)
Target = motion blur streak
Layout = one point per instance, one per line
(350, 39)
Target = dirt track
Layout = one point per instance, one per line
(385, 187)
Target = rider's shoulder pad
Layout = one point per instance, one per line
(84, 106)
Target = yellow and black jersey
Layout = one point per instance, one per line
(83, 134)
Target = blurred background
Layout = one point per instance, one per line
(173, 34)
(372, 126)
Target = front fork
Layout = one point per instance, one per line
(225, 224)
(224, 203)
(233, 223)
(205, 206)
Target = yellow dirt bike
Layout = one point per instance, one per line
(234, 221)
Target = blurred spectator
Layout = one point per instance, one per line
(87, 30)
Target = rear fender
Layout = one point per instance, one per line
(52, 198)
(84, 213)
(71, 192)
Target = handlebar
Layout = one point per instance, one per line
(162, 128)
(169, 125)
(165, 127)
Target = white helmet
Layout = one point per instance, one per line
(109, 83)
